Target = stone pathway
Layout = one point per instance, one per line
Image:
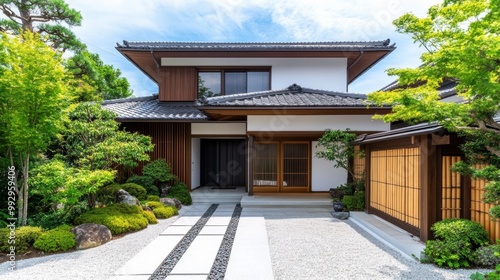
(209, 241)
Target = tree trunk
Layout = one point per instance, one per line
(91, 200)
(24, 191)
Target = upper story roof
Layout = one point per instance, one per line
(361, 56)
(258, 46)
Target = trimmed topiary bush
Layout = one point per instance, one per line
(25, 237)
(154, 204)
(150, 216)
(135, 190)
(59, 239)
(147, 182)
(456, 241)
(181, 192)
(107, 194)
(159, 170)
(153, 198)
(488, 256)
(164, 212)
(119, 218)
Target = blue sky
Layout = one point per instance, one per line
(110, 21)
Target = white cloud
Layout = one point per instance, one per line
(111, 21)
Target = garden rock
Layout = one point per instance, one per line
(171, 202)
(124, 197)
(340, 215)
(90, 235)
(164, 188)
(147, 208)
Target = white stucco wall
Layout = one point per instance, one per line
(218, 129)
(315, 123)
(316, 73)
(323, 175)
(195, 162)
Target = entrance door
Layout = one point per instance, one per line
(223, 162)
(281, 166)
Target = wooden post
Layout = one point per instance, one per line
(428, 202)
(250, 155)
(367, 177)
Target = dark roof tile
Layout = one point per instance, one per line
(149, 108)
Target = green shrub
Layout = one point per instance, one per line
(147, 182)
(119, 218)
(56, 240)
(150, 216)
(135, 190)
(456, 241)
(52, 219)
(488, 256)
(164, 212)
(153, 198)
(24, 238)
(107, 194)
(354, 202)
(493, 275)
(181, 192)
(154, 204)
(158, 170)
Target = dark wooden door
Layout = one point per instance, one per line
(223, 162)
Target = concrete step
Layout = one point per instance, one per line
(287, 200)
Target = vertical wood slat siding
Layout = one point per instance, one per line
(479, 209)
(358, 166)
(395, 183)
(172, 142)
(451, 186)
(178, 84)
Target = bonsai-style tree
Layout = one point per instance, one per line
(159, 171)
(338, 148)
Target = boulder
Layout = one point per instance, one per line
(90, 235)
(164, 188)
(147, 208)
(124, 197)
(340, 215)
(171, 202)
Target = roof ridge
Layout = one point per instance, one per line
(130, 99)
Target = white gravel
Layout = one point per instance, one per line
(304, 243)
(95, 263)
(308, 244)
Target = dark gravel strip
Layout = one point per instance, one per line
(221, 260)
(171, 260)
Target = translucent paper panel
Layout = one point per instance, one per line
(295, 165)
(265, 165)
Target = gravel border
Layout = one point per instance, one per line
(95, 263)
(310, 244)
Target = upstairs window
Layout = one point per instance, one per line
(227, 82)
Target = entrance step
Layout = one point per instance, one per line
(287, 200)
(211, 195)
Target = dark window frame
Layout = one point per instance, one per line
(223, 70)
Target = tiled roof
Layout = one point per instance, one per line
(293, 96)
(263, 46)
(446, 89)
(149, 108)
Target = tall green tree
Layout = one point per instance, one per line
(93, 140)
(33, 96)
(104, 81)
(462, 43)
(45, 17)
(52, 19)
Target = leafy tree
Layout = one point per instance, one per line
(102, 81)
(33, 96)
(338, 148)
(44, 17)
(52, 19)
(92, 141)
(159, 171)
(462, 43)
